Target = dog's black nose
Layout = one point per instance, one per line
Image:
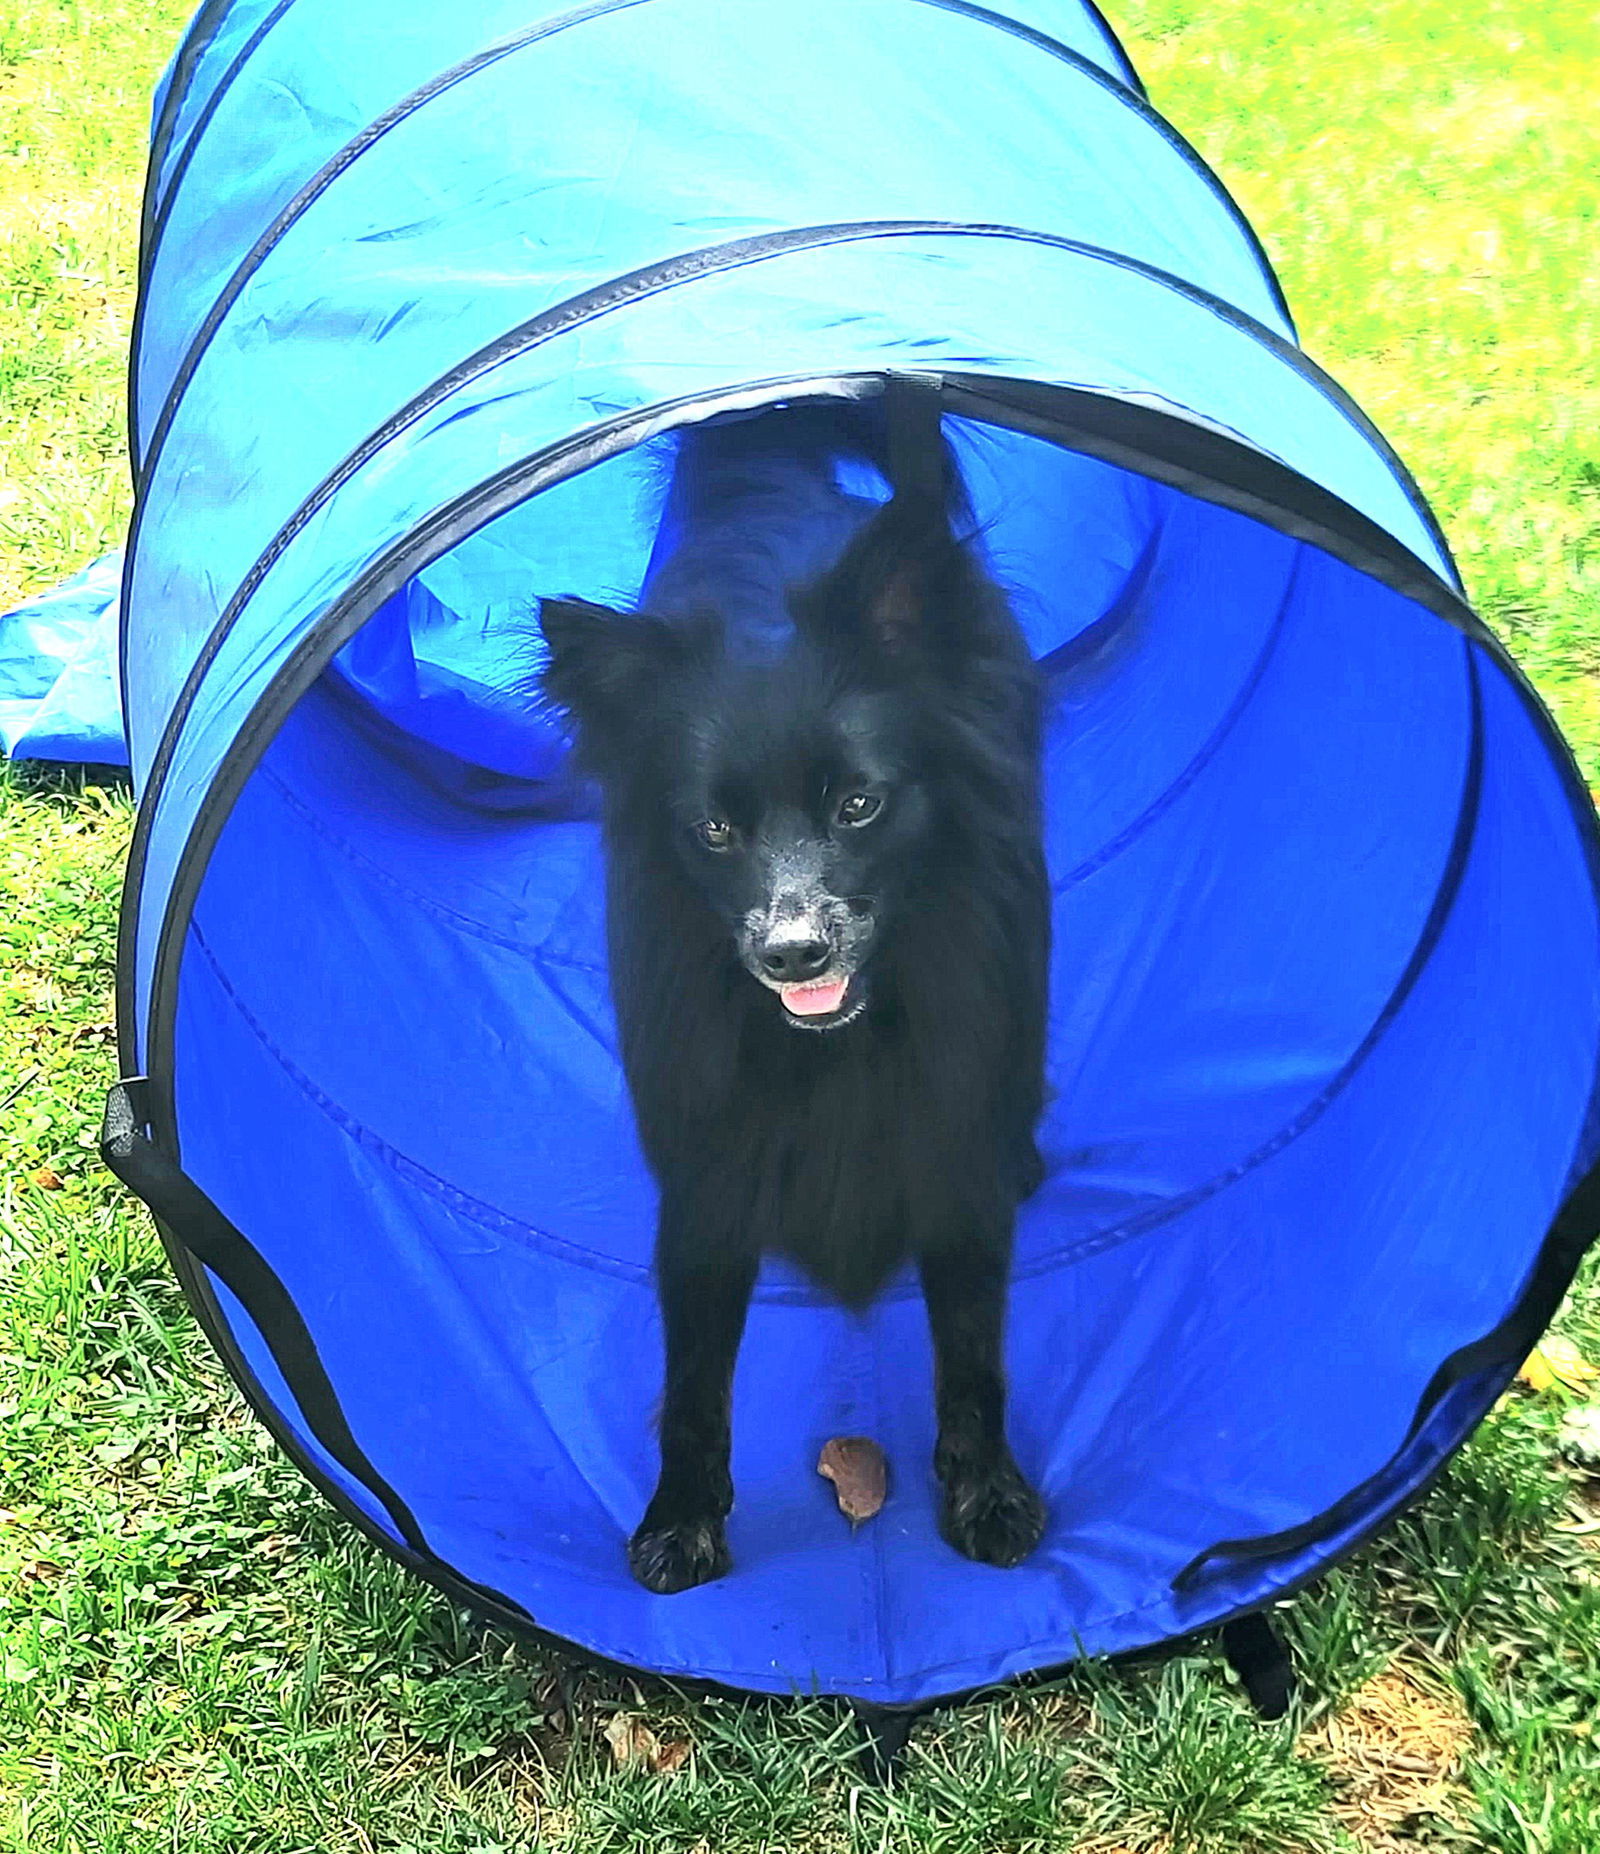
(791, 961)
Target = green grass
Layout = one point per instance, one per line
(75, 83)
(195, 1654)
(1426, 191)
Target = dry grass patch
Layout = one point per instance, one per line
(1395, 1752)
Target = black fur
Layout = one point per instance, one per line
(899, 1125)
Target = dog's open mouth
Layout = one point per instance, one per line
(821, 1004)
(816, 998)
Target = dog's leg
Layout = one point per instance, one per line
(680, 1540)
(990, 1512)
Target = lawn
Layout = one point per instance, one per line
(195, 1654)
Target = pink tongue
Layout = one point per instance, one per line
(814, 1000)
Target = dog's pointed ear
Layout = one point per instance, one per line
(905, 588)
(600, 660)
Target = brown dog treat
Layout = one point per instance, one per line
(860, 1475)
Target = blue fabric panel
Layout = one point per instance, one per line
(436, 658)
(58, 672)
(1231, 1367)
(1127, 871)
(227, 30)
(602, 74)
(382, 264)
(1206, 995)
(380, 66)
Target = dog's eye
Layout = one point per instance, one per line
(715, 833)
(860, 808)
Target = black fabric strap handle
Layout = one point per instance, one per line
(184, 1209)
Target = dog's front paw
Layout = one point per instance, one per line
(992, 1515)
(667, 1558)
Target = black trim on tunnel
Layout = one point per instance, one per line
(195, 1283)
(1494, 1357)
(1128, 77)
(168, 195)
(1119, 433)
(1118, 49)
(196, 42)
(153, 219)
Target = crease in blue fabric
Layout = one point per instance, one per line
(1163, 803)
(1450, 880)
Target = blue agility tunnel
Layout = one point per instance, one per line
(430, 291)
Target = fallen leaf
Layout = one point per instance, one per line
(860, 1475)
(633, 1743)
(46, 1179)
(1557, 1361)
(630, 1739)
(1535, 1373)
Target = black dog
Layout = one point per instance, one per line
(829, 930)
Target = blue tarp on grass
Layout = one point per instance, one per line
(58, 672)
